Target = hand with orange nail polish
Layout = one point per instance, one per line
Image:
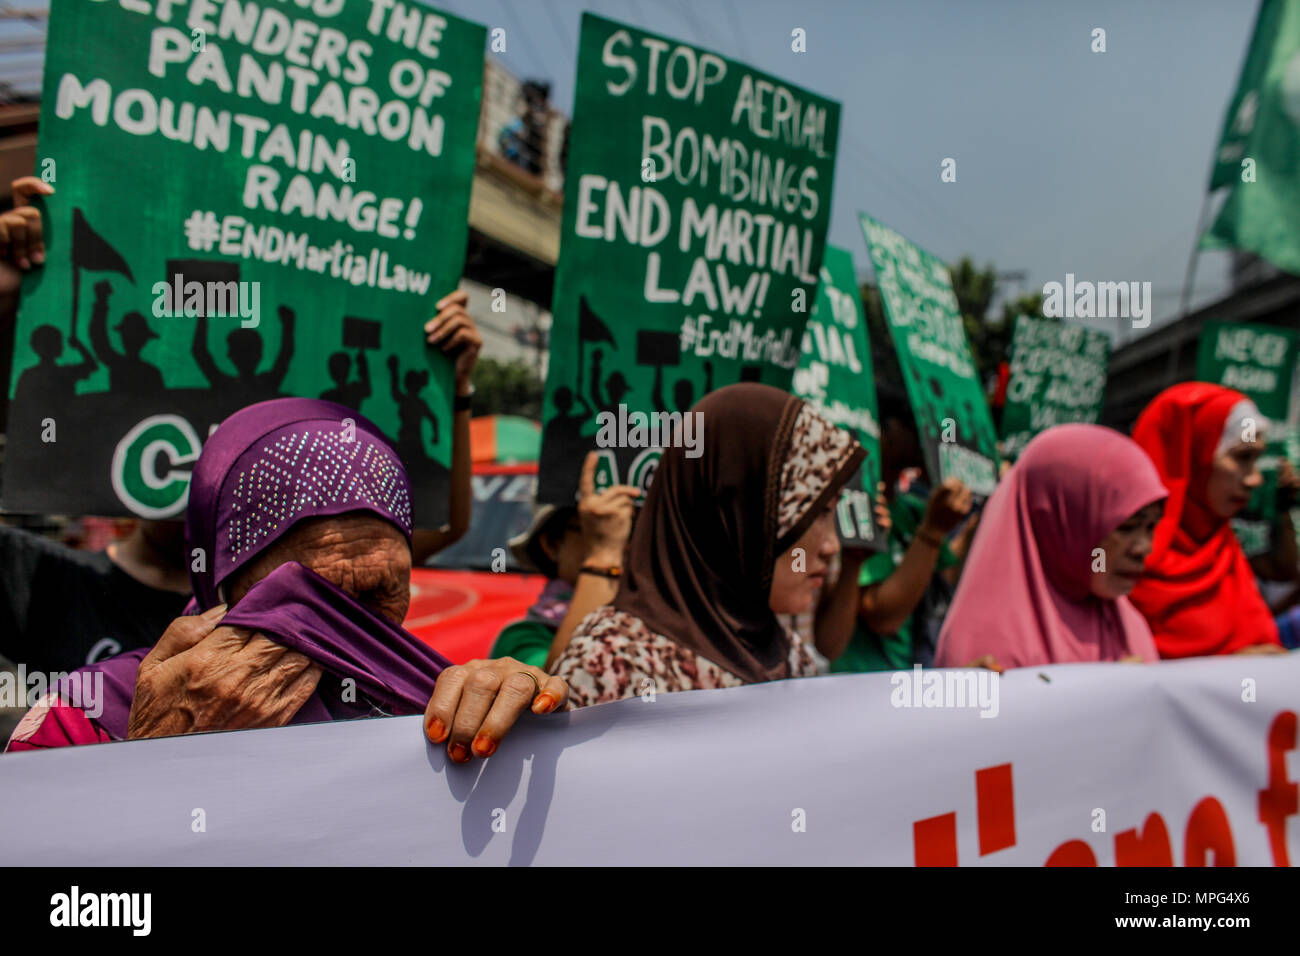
(474, 705)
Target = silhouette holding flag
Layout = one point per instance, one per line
(593, 330)
(127, 371)
(92, 252)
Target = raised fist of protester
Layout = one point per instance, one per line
(475, 704)
(453, 330)
(201, 676)
(606, 516)
(948, 506)
(22, 238)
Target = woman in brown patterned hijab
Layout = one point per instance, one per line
(726, 541)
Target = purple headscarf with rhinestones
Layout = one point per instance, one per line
(275, 463)
(263, 470)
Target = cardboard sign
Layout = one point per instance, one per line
(1058, 375)
(697, 196)
(835, 375)
(1260, 362)
(952, 413)
(252, 201)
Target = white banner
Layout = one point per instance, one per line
(1183, 761)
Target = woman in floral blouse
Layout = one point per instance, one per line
(727, 540)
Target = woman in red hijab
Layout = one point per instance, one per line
(1198, 593)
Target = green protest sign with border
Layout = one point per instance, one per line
(697, 197)
(1058, 375)
(1256, 360)
(835, 375)
(1259, 361)
(251, 201)
(952, 412)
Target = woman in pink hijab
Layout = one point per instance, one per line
(1061, 543)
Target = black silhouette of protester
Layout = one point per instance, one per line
(48, 382)
(616, 386)
(412, 411)
(127, 371)
(564, 430)
(244, 348)
(683, 390)
(351, 394)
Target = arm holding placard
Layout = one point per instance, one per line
(960, 547)
(606, 519)
(22, 238)
(1281, 562)
(886, 606)
(837, 612)
(454, 332)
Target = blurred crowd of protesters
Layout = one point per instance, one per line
(1095, 546)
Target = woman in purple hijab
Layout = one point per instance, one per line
(299, 534)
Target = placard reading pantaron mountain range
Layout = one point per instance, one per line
(251, 201)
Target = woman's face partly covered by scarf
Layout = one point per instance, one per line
(358, 552)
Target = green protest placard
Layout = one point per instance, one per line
(1256, 360)
(835, 375)
(697, 196)
(952, 413)
(1260, 362)
(1058, 375)
(251, 201)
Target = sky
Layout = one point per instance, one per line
(1067, 161)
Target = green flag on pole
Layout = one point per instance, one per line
(1259, 150)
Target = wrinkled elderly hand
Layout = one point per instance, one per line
(475, 704)
(202, 677)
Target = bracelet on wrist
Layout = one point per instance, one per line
(929, 537)
(613, 571)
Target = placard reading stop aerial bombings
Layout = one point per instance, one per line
(697, 197)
